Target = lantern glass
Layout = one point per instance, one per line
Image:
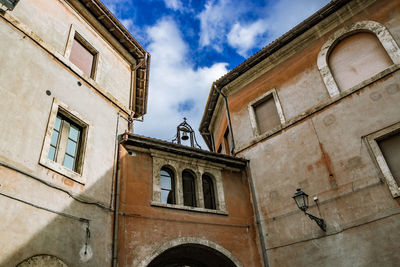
(301, 199)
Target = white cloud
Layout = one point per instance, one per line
(174, 4)
(215, 21)
(228, 22)
(128, 23)
(115, 5)
(244, 38)
(173, 82)
(137, 32)
(283, 15)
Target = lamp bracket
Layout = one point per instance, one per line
(319, 221)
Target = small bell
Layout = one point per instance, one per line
(185, 136)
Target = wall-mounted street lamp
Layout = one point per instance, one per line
(301, 200)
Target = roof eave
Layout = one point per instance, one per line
(261, 55)
(101, 13)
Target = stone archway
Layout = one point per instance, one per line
(42, 261)
(191, 252)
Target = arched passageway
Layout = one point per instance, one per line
(42, 260)
(191, 255)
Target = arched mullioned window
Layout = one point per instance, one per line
(345, 59)
(167, 181)
(208, 192)
(189, 189)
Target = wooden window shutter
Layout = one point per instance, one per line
(267, 115)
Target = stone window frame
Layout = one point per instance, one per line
(379, 159)
(253, 116)
(379, 30)
(74, 34)
(178, 165)
(56, 108)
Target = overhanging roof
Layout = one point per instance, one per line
(264, 53)
(98, 10)
(135, 140)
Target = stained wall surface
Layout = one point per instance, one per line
(43, 211)
(321, 148)
(145, 228)
(357, 50)
(55, 20)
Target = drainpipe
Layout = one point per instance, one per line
(116, 208)
(228, 116)
(211, 138)
(258, 218)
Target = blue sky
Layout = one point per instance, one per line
(192, 43)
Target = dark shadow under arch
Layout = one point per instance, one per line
(42, 260)
(192, 255)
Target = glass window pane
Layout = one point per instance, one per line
(165, 183)
(188, 189)
(208, 193)
(54, 138)
(71, 148)
(52, 153)
(57, 124)
(164, 196)
(69, 162)
(74, 133)
(188, 199)
(164, 173)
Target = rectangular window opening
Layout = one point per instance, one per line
(266, 114)
(65, 145)
(390, 147)
(83, 55)
(384, 146)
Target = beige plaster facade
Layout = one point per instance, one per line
(326, 144)
(47, 209)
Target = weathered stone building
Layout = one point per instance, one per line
(317, 109)
(183, 206)
(70, 77)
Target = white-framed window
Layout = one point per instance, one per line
(384, 146)
(8, 4)
(266, 113)
(65, 142)
(178, 184)
(81, 53)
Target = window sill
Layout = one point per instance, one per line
(54, 166)
(329, 101)
(187, 208)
